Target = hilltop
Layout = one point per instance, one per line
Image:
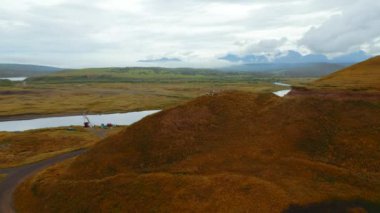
(233, 151)
(361, 76)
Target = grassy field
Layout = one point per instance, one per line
(120, 90)
(31, 146)
(76, 98)
(105, 97)
(134, 74)
(216, 153)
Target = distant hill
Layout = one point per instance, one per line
(293, 63)
(229, 152)
(144, 74)
(24, 70)
(289, 69)
(364, 75)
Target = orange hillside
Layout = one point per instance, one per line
(231, 152)
(365, 75)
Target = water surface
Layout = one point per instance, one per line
(282, 93)
(51, 122)
(282, 84)
(14, 78)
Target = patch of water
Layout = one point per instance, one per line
(282, 93)
(52, 122)
(282, 84)
(14, 78)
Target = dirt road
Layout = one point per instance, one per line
(16, 175)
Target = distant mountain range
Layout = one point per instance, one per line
(294, 57)
(293, 64)
(25, 70)
(289, 70)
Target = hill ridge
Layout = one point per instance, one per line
(364, 75)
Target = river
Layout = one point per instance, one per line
(116, 119)
(51, 122)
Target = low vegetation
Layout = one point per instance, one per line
(161, 75)
(363, 76)
(21, 148)
(228, 152)
(107, 90)
(63, 99)
(2, 176)
(6, 83)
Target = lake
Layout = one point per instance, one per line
(51, 122)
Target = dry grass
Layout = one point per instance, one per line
(31, 146)
(231, 152)
(58, 99)
(2, 176)
(362, 76)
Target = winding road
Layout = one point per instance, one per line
(14, 176)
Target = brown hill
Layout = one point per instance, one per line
(365, 75)
(231, 152)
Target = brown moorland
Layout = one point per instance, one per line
(19, 148)
(361, 76)
(39, 100)
(230, 152)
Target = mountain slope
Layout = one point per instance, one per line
(230, 152)
(365, 75)
(24, 70)
(289, 70)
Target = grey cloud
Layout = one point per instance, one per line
(356, 26)
(266, 45)
(75, 33)
(61, 28)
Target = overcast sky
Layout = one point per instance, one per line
(89, 33)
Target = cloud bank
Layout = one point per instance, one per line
(85, 33)
(356, 28)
